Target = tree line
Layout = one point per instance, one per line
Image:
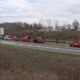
(56, 31)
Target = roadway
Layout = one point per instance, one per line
(62, 48)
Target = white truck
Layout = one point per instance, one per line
(1, 32)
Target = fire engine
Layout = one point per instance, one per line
(14, 38)
(39, 40)
(75, 43)
(25, 38)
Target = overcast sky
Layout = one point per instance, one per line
(30, 11)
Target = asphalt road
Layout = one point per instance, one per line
(62, 48)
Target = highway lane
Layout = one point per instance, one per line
(46, 47)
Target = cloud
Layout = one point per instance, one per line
(35, 10)
(74, 9)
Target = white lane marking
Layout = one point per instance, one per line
(40, 46)
(21, 44)
(29, 45)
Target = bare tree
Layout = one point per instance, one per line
(56, 25)
(75, 25)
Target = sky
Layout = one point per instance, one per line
(63, 11)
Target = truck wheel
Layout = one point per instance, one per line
(71, 45)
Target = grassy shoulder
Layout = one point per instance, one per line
(14, 49)
(28, 64)
(54, 41)
(8, 48)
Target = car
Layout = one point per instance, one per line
(75, 43)
(1, 37)
(7, 37)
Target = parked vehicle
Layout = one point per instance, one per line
(25, 38)
(39, 40)
(1, 37)
(75, 43)
(15, 38)
(6, 37)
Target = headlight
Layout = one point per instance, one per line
(75, 44)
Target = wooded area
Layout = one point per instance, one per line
(64, 32)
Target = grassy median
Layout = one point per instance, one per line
(28, 64)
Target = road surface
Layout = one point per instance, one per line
(62, 48)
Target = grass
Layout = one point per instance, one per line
(54, 41)
(28, 64)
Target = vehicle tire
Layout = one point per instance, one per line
(71, 45)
